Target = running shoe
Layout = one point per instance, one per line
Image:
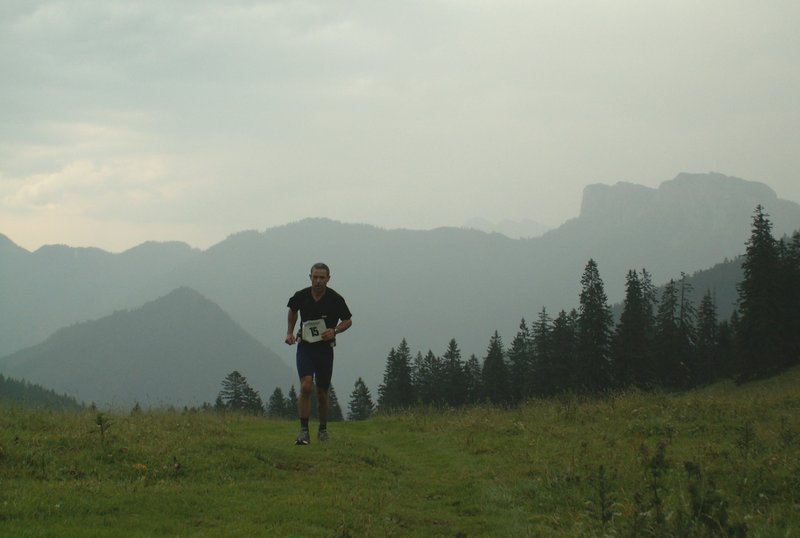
(303, 438)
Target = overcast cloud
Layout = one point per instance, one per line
(170, 120)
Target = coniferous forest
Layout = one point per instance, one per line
(12, 390)
(661, 341)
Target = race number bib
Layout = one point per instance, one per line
(313, 329)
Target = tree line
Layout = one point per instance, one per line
(23, 392)
(660, 341)
(236, 394)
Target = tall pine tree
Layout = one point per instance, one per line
(454, 382)
(361, 405)
(539, 370)
(633, 339)
(558, 369)
(595, 323)
(672, 373)
(473, 376)
(238, 395)
(674, 336)
(726, 348)
(687, 318)
(707, 348)
(495, 372)
(520, 361)
(790, 306)
(291, 403)
(334, 409)
(428, 376)
(276, 405)
(397, 390)
(759, 333)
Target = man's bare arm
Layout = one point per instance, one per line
(330, 334)
(291, 321)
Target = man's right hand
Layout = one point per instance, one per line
(290, 339)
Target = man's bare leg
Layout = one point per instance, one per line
(304, 408)
(323, 402)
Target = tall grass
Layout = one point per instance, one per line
(722, 461)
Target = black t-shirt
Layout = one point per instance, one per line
(331, 307)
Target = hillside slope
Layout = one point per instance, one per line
(721, 461)
(26, 394)
(172, 351)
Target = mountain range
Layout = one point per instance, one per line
(510, 228)
(424, 286)
(175, 350)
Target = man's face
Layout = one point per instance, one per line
(319, 280)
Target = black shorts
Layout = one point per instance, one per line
(315, 360)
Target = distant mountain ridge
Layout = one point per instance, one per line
(425, 286)
(688, 223)
(175, 350)
(57, 285)
(515, 229)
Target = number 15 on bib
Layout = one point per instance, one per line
(313, 329)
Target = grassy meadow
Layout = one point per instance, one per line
(721, 461)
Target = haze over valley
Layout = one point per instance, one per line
(424, 286)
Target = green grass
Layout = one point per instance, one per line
(719, 461)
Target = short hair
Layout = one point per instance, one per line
(320, 265)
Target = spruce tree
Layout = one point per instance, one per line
(386, 389)
(232, 393)
(454, 381)
(540, 355)
(670, 345)
(632, 355)
(648, 294)
(520, 361)
(687, 318)
(729, 345)
(361, 405)
(291, 403)
(707, 349)
(276, 405)
(595, 323)
(666, 335)
(428, 375)
(790, 304)
(334, 409)
(472, 375)
(419, 377)
(759, 332)
(495, 372)
(238, 395)
(397, 390)
(558, 372)
(252, 401)
(726, 350)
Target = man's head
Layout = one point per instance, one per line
(320, 265)
(320, 275)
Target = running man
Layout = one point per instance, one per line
(323, 315)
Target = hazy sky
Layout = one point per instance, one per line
(125, 121)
